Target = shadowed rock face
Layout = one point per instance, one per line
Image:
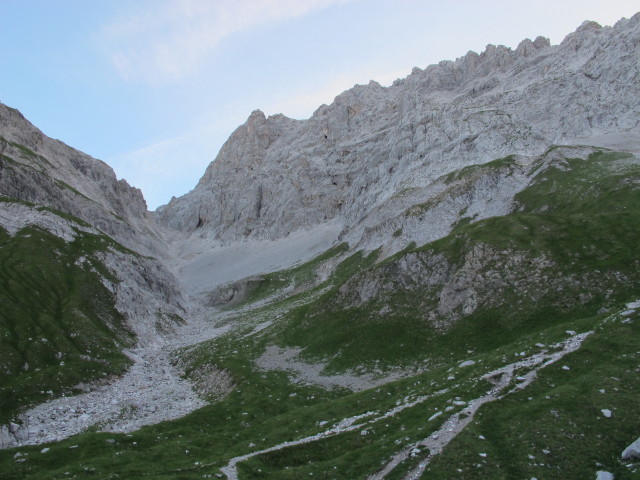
(348, 161)
(35, 168)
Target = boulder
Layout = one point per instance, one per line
(6, 438)
(602, 475)
(632, 452)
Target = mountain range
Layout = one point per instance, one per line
(435, 279)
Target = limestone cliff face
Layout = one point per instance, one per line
(38, 169)
(376, 151)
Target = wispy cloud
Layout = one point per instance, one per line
(173, 166)
(171, 39)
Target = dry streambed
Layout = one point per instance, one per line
(151, 391)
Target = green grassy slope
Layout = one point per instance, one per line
(556, 428)
(569, 250)
(58, 324)
(560, 413)
(571, 247)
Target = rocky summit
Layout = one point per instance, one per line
(435, 279)
(375, 151)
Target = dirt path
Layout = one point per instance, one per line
(500, 378)
(345, 425)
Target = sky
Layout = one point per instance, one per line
(155, 87)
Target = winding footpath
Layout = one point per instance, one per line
(500, 378)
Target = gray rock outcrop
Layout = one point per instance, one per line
(37, 171)
(602, 475)
(145, 292)
(375, 151)
(40, 170)
(632, 452)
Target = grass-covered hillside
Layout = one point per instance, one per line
(58, 322)
(554, 428)
(570, 248)
(507, 349)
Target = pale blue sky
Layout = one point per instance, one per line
(155, 87)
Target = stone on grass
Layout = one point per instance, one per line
(602, 475)
(6, 438)
(632, 452)
(435, 415)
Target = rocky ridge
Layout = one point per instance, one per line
(375, 151)
(37, 169)
(378, 167)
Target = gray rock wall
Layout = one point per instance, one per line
(35, 168)
(349, 161)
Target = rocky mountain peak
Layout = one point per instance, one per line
(589, 26)
(527, 48)
(347, 162)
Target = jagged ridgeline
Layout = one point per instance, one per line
(438, 279)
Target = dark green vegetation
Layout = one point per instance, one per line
(569, 249)
(58, 324)
(265, 409)
(556, 427)
(505, 163)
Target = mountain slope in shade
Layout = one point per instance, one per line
(35, 168)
